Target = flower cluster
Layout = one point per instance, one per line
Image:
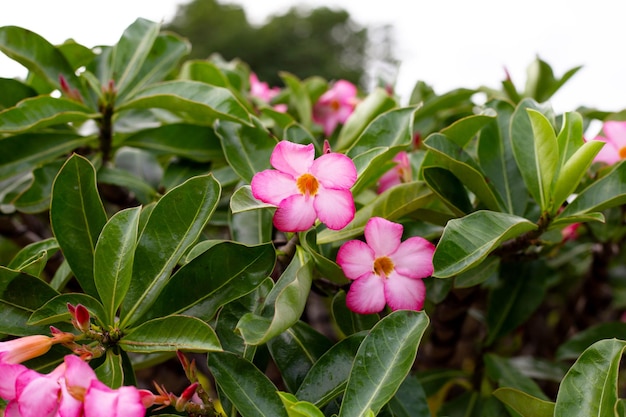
(262, 91)
(335, 106)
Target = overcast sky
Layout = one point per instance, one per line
(447, 43)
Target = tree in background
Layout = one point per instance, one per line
(322, 41)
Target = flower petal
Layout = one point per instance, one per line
(335, 208)
(404, 293)
(295, 214)
(39, 398)
(609, 154)
(272, 187)
(334, 170)
(292, 158)
(355, 258)
(366, 295)
(615, 133)
(101, 401)
(414, 258)
(10, 373)
(78, 373)
(383, 236)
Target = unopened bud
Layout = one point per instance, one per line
(186, 396)
(80, 317)
(24, 348)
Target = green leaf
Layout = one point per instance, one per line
(535, 149)
(197, 102)
(590, 386)
(252, 227)
(393, 204)
(525, 404)
(247, 148)
(295, 351)
(327, 268)
(467, 241)
(242, 200)
(169, 334)
(383, 362)
(185, 210)
(284, 304)
(302, 102)
(348, 321)
(297, 408)
(520, 290)
(204, 71)
(410, 400)
(25, 152)
(573, 171)
(32, 251)
(495, 156)
(575, 346)
(463, 130)
(570, 138)
(42, 111)
(449, 189)
(13, 91)
(39, 56)
(449, 155)
(198, 143)
(77, 217)
(113, 259)
(20, 296)
(122, 178)
(250, 391)
(608, 191)
(479, 274)
(55, 310)
(505, 375)
(224, 272)
(36, 198)
(376, 103)
(130, 52)
(329, 375)
(111, 372)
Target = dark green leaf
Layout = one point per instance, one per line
(250, 391)
(111, 371)
(505, 375)
(410, 400)
(347, 321)
(77, 217)
(525, 404)
(13, 91)
(449, 188)
(55, 310)
(36, 198)
(575, 346)
(169, 334)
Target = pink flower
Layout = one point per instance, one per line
(386, 270)
(615, 148)
(399, 174)
(570, 232)
(264, 93)
(102, 401)
(335, 106)
(305, 189)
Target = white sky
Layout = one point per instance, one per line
(446, 43)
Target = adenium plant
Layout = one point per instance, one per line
(157, 209)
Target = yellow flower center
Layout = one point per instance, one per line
(383, 266)
(622, 152)
(307, 184)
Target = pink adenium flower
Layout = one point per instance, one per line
(305, 189)
(102, 401)
(615, 148)
(386, 270)
(335, 106)
(263, 92)
(399, 174)
(28, 347)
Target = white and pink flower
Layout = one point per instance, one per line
(385, 270)
(614, 149)
(399, 174)
(335, 106)
(304, 188)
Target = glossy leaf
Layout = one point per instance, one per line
(39, 56)
(590, 386)
(144, 193)
(463, 130)
(467, 241)
(328, 377)
(525, 404)
(14, 91)
(295, 351)
(246, 148)
(204, 71)
(42, 111)
(449, 188)
(169, 334)
(36, 198)
(20, 296)
(348, 321)
(198, 143)
(410, 400)
(392, 128)
(476, 276)
(578, 343)
(449, 155)
(326, 267)
(250, 391)
(130, 52)
(199, 103)
(608, 191)
(23, 153)
(32, 251)
(505, 375)
(113, 259)
(376, 103)
(252, 227)
(284, 304)
(242, 200)
(302, 102)
(77, 218)
(570, 138)
(185, 210)
(394, 203)
(495, 156)
(55, 310)
(224, 272)
(383, 362)
(111, 371)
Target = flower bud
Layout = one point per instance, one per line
(80, 317)
(186, 396)
(24, 348)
